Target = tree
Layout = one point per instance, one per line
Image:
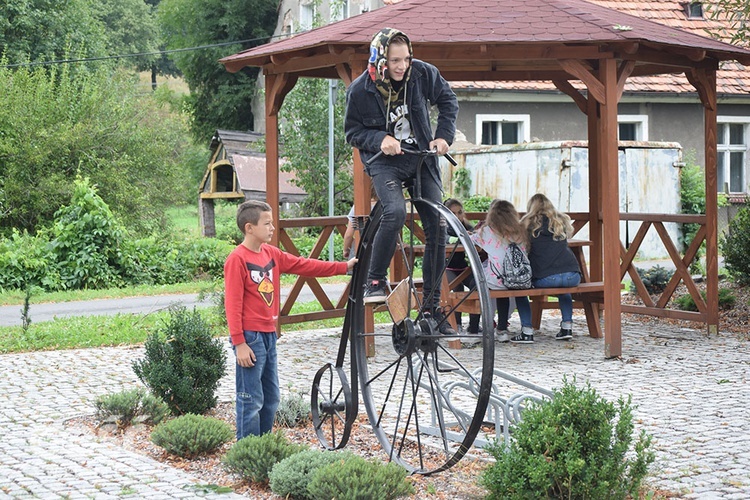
(218, 99)
(56, 124)
(131, 29)
(41, 30)
(734, 16)
(303, 120)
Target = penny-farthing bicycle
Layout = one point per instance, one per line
(425, 401)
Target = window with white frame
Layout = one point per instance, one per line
(306, 16)
(632, 127)
(732, 147)
(503, 129)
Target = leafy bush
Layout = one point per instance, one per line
(253, 457)
(59, 122)
(359, 478)
(25, 260)
(655, 279)
(291, 477)
(86, 239)
(191, 435)
(726, 300)
(293, 410)
(576, 445)
(735, 244)
(183, 363)
(692, 198)
(477, 203)
(126, 406)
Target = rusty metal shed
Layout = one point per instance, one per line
(237, 170)
(540, 40)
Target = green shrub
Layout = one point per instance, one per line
(86, 239)
(692, 199)
(359, 478)
(735, 245)
(191, 435)
(253, 457)
(575, 445)
(291, 477)
(293, 410)
(183, 363)
(26, 260)
(726, 300)
(477, 203)
(655, 279)
(124, 407)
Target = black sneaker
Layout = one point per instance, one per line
(375, 292)
(564, 334)
(522, 338)
(444, 327)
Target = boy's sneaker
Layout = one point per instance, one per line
(502, 336)
(523, 338)
(375, 292)
(444, 327)
(564, 334)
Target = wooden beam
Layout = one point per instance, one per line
(579, 70)
(565, 87)
(610, 204)
(623, 72)
(273, 86)
(277, 87)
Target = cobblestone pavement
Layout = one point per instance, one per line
(691, 392)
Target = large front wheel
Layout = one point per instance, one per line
(426, 394)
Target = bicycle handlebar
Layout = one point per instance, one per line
(422, 153)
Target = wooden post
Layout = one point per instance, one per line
(596, 162)
(272, 153)
(712, 207)
(610, 203)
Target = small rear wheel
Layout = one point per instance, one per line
(332, 406)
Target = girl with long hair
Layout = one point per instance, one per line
(553, 264)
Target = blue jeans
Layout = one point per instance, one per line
(257, 387)
(561, 281)
(388, 179)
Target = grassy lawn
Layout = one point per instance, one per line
(126, 329)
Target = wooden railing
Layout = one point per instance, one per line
(650, 306)
(330, 310)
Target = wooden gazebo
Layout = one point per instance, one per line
(562, 41)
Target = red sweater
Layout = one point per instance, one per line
(251, 286)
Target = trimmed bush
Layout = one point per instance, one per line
(253, 457)
(726, 300)
(183, 363)
(191, 435)
(293, 410)
(358, 478)
(125, 407)
(576, 445)
(291, 477)
(655, 279)
(735, 244)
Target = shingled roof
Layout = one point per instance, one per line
(446, 25)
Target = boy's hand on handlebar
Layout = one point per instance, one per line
(350, 264)
(439, 145)
(391, 146)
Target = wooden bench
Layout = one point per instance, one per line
(587, 296)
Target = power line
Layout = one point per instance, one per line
(123, 56)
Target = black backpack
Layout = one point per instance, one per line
(516, 271)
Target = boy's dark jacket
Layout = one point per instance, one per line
(365, 121)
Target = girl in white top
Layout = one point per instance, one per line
(500, 229)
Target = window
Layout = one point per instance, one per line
(306, 16)
(503, 129)
(632, 127)
(732, 150)
(694, 10)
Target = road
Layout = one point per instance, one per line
(11, 315)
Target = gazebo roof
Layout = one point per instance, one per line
(450, 34)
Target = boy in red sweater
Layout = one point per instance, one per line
(251, 296)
